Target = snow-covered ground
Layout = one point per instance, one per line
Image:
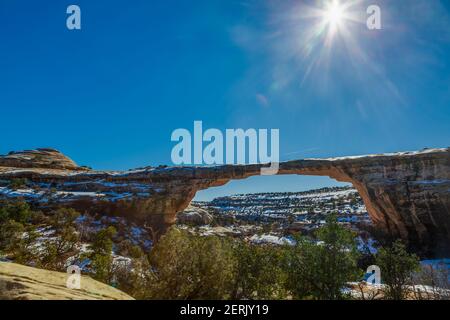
(270, 239)
(302, 206)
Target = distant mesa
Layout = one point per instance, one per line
(407, 194)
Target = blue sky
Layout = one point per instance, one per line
(111, 94)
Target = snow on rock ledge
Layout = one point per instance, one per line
(407, 194)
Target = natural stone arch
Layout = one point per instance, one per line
(406, 194)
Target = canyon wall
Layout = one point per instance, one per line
(407, 194)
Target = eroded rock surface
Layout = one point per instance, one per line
(406, 194)
(18, 282)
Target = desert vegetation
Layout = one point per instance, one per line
(185, 265)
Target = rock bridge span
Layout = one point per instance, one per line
(407, 194)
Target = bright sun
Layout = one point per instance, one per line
(334, 15)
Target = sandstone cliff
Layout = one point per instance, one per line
(406, 194)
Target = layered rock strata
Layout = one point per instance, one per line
(407, 194)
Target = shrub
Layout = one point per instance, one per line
(23, 250)
(101, 255)
(10, 234)
(259, 273)
(136, 279)
(397, 267)
(65, 243)
(321, 270)
(18, 211)
(191, 267)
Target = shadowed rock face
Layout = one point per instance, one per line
(406, 194)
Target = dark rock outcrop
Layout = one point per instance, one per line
(406, 194)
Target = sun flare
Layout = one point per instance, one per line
(334, 15)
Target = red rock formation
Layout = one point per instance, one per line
(406, 194)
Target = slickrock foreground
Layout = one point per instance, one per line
(406, 194)
(19, 282)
